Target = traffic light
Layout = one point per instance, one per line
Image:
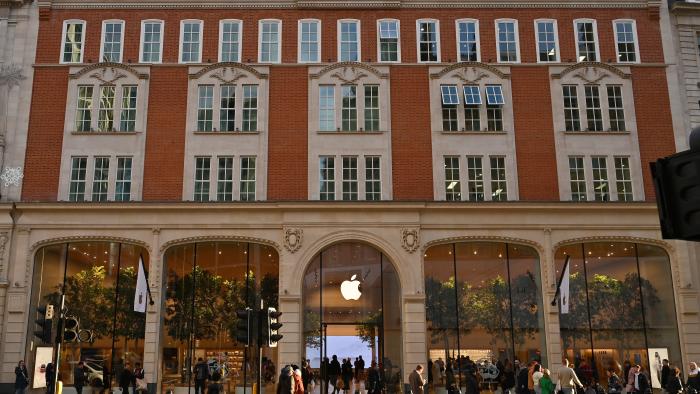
(243, 326)
(677, 183)
(272, 326)
(70, 329)
(44, 321)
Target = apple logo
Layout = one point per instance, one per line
(350, 289)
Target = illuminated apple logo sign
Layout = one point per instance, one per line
(350, 289)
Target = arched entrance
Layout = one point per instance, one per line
(352, 310)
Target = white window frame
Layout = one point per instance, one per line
(182, 36)
(279, 40)
(63, 40)
(595, 37)
(143, 37)
(319, 41)
(636, 40)
(478, 37)
(556, 41)
(359, 37)
(240, 37)
(398, 41)
(102, 38)
(516, 30)
(437, 40)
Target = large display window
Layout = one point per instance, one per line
(621, 309)
(352, 310)
(483, 312)
(205, 283)
(98, 280)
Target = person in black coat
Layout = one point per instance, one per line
(50, 376)
(674, 384)
(325, 365)
(373, 379)
(334, 372)
(126, 377)
(21, 378)
(79, 377)
(665, 373)
(347, 374)
(521, 383)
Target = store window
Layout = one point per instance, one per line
(622, 309)
(483, 311)
(351, 308)
(98, 279)
(205, 283)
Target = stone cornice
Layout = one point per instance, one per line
(685, 8)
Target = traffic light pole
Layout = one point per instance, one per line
(59, 342)
(261, 316)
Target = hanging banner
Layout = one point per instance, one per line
(44, 355)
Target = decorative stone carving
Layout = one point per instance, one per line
(582, 69)
(470, 75)
(477, 67)
(228, 75)
(11, 75)
(349, 75)
(591, 75)
(108, 75)
(410, 239)
(293, 238)
(12, 176)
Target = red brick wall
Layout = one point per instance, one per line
(534, 134)
(165, 136)
(654, 123)
(411, 146)
(287, 141)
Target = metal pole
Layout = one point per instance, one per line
(59, 336)
(190, 354)
(510, 296)
(247, 302)
(588, 307)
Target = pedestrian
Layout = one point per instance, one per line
(214, 386)
(522, 381)
(508, 381)
(614, 383)
(201, 374)
(373, 379)
(545, 382)
(361, 366)
(79, 377)
(346, 373)
(306, 376)
(674, 384)
(50, 376)
(693, 382)
(631, 371)
(472, 386)
(325, 379)
(299, 386)
(126, 378)
(665, 373)
(139, 379)
(285, 383)
(568, 380)
(536, 376)
(641, 382)
(21, 378)
(416, 380)
(334, 372)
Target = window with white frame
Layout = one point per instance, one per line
(191, 41)
(100, 179)
(230, 32)
(116, 108)
(269, 47)
(371, 107)
(547, 40)
(309, 41)
(247, 191)
(571, 111)
(499, 185)
(389, 34)
(594, 96)
(73, 40)
(224, 179)
(428, 36)
(586, 40)
(373, 183)
(468, 115)
(475, 179)
(112, 41)
(507, 46)
(468, 40)
(202, 178)
(626, 41)
(327, 178)
(577, 178)
(616, 109)
(623, 179)
(349, 108)
(594, 114)
(77, 179)
(349, 178)
(601, 187)
(349, 41)
(122, 189)
(453, 189)
(151, 41)
(217, 106)
(326, 108)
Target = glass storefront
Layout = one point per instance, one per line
(483, 311)
(205, 283)
(352, 310)
(99, 282)
(622, 310)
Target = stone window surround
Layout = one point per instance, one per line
(595, 37)
(189, 179)
(231, 143)
(142, 39)
(511, 182)
(592, 143)
(478, 37)
(556, 40)
(497, 41)
(319, 34)
(121, 44)
(398, 43)
(338, 154)
(476, 143)
(136, 171)
(240, 37)
(636, 40)
(63, 39)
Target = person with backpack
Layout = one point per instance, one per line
(201, 374)
(674, 384)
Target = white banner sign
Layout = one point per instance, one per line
(44, 355)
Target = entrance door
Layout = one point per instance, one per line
(352, 342)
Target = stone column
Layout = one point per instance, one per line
(290, 347)
(154, 329)
(414, 333)
(551, 312)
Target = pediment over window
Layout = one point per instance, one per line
(591, 72)
(108, 73)
(228, 72)
(349, 72)
(470, 72)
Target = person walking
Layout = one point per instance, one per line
(139, 379)
(126, 378)
(416, 380)
(641, 382)
(360, 370)
(674, 384)
(79, 377)
(666, 373)
(545, 382)
(536, 376)
(614, 383)
(214, 386)
(373, 379)
(306, 376)
(50, 376)
(629, 388)
(472, 386)
(693, 382)
(568, 380)
(21, 378)
(299, 386)
(346, 373)
(333, 373)
(325, 379)
(201, 374)
(285, 383)
(508, 381)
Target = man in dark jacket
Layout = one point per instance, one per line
(79, 377)
(373, 379)
(201, 374)
(665, 373)
(126, 379)
(334, 372)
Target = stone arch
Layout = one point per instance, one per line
(351, 65)
(465, 65)
(98, 66)
(597, 65)
(477, 238)
(234, 65)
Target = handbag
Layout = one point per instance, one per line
(141, 384)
